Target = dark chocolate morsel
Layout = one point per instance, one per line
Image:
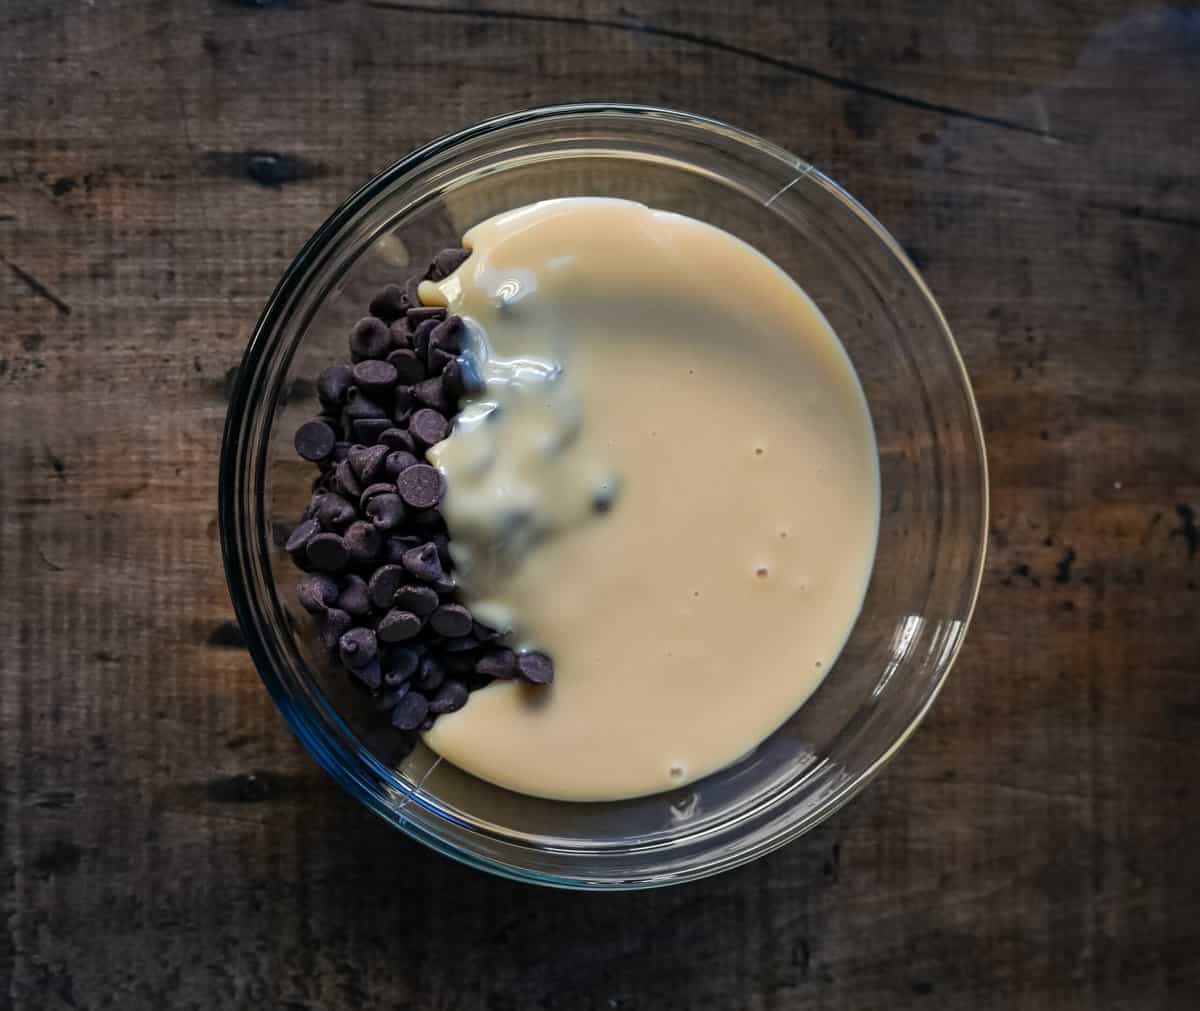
(430, 675)
(421, 600)
(353, 599)
(368, 430)
(360, 406)
(333, 624)
(386, 512)
(346, 481)
(328, 553)
(391, 303)
(370, 674)
(363, 542)
(420, 486)
(358, 647)
(314, 440)
(536, 668)
(451, 697)
(398, 626)
(396, 438)
(498, 663)
(399, 461)
(400, 663)
(299, 538)
(335, 511)
(427, 427)
(446, 263)
(408, 366)
(423, 562)
(410, 712)
(375, 378)
(316, 592)
(370, 339)
(385, 581)
(451, 620)
(333, 383)
(367, 462)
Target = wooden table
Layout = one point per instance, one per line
(166, 843)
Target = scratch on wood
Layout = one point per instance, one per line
(52, 566)
(1139, 213)
(38, 288)
(694, 38)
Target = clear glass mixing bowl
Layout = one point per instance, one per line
(932, 469)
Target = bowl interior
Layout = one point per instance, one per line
(933, 489)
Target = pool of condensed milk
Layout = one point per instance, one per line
(669, 484)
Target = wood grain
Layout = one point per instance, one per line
(166, 843)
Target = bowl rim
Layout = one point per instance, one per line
(230, 476)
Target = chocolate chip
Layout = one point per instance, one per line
(396, 438)
(391, 695)
(536, 668)
(362, 542)
(353, 599)
(399, 461)
(422, 562)
(333, 383)
(314, 441)
(334, 511)
(396, 546)
(385, 581)
(401, 664)
(430, 675)
(367, 462)
(368, 430)
(371, 491)
(316, 592)
(358, 647)
(346, 481)
(427, 427)
(370, 674)
(299, 539)
(420, 486)
(421, 600)
(432, 393)
(451, 620)
(333, 624)
(484, 633)
(412, 288)
(398, 626)
(359, 406)
(458, 644)
(401, 334)
(497, 663)
(327, 553)
(375, 378)
(389, 304)
(386, 512)
(341, 450)
(437, 361)
(449, 335)
(447, 262)
(420, 313)
(369, 339)
(409, 368)
(410, 712)
(421, 337)
(444, 584)
(451, 697)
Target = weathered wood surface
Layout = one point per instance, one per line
(166, 843)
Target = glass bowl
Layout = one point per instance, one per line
(932, 471)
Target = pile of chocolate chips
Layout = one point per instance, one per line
(372, 542)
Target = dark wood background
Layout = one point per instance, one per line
(165, 842)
